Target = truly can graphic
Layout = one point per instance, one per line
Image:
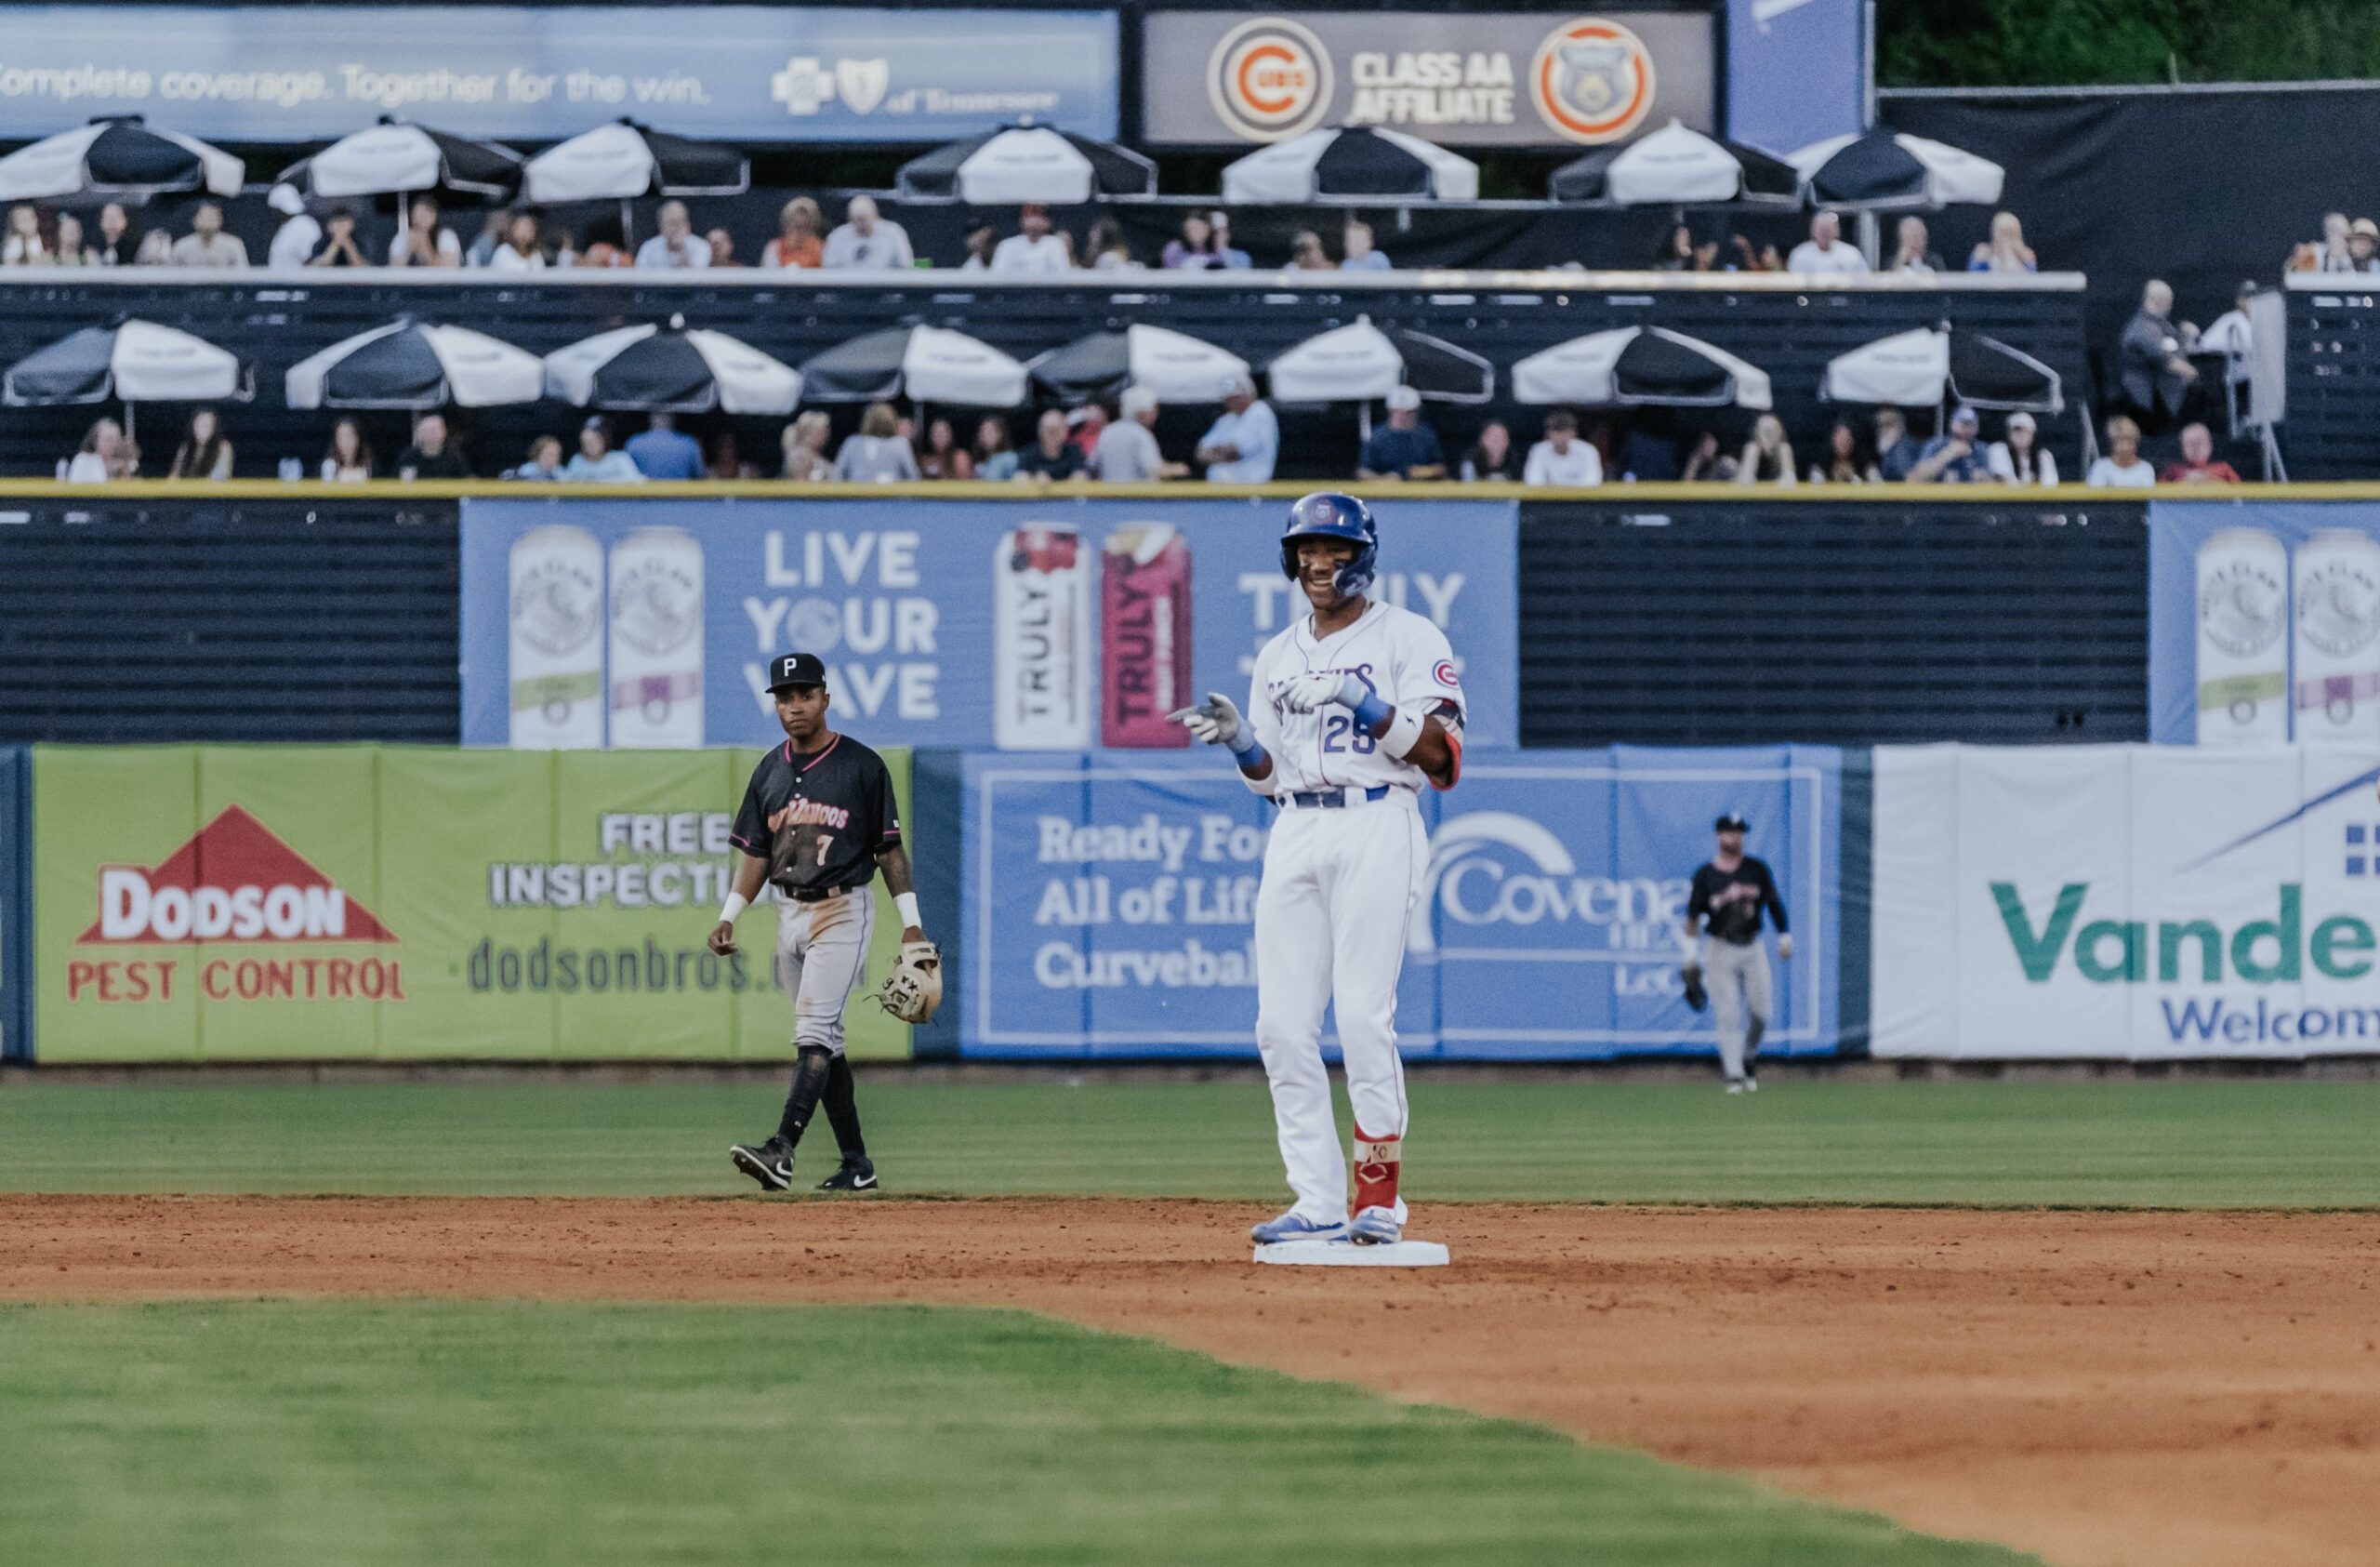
(557, 653)
(2242, 651)
(1143, 635)
(2336, 664)
(1041, 641)
(656, 641)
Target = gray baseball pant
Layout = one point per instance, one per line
(822, 958)
(1740, 999)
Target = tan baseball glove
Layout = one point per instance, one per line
(913, 990)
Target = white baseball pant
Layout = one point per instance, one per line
(822, 958)
(1740, 996)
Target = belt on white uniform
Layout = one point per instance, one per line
(1333, 799)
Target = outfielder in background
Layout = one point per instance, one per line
(1722, 947)
(818, 820)
(1351, 710)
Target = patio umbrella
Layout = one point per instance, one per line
(1176, 366)
(137, 361)
(118, 158)
(415, 364)
(1929, 367)
(1880, 168)
(1027, 164)
(625, 160)
(924, 363)
(393, 158)
(671, 368)
(1348, 162)
(1640, 366)
(1359, 361)
(1674, 167)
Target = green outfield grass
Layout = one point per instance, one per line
(253, 1434)
(2238, 1143)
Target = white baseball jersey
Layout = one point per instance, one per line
(1400, 655)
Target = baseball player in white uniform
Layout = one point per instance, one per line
(1352, 710)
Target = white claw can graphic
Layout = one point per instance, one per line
(556, 670)
(2336, 630)
(656, 641)
(1041, 653)
(2242, 639)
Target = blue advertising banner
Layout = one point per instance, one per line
(1797, 71)
(2264, 623)
(743, 72)
(1042, 623)
(1110, 903)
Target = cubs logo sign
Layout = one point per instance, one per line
(1269, 79)
(1593, 80)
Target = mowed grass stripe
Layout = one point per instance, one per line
(253, 1434)
(2198, 1143)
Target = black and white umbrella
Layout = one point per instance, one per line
(624, 161)
(118, 158)
(137, 361)
(1676, 167)
(1359, 361)
(1358, 162)
(393, 158)
(1639, 366)
(1027, 164)
(1174, 366)
(1929, 367)
(924, 363)
(413, 365)
(671, 368)
(1879, 169)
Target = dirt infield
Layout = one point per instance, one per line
(2147, 1389)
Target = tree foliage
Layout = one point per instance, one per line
(2049, 43)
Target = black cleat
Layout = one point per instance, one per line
(770, 1163)
(857, 1175)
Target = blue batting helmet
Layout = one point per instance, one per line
(1329, 514)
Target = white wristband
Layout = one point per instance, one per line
(1403, 732)
(907, 904)
(737, 903)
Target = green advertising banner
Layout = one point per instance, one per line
(400, 903)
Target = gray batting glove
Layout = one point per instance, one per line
(1215, 721)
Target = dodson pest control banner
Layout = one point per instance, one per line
(1040, 624)
(1110, 903)
(247, 903)
(2126, 901)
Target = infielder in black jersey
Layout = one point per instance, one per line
(817, 822)
(1723, 940)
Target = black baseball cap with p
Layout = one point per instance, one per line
(1731, 821)
(796, 669)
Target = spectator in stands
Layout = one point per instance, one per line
(663, 451)
(723, 247)
(338, 247)
(1195, 250)
(116, 244)
(206, 245)
(347, 460)
(2363, 247)
(798, 243)
(1896, 450)
(1127, 452)
(24, 245)
(677, 245)
(1707, 464)
(1032, 249)
(565, 247)
(1562, 458)
(2327, 254)
(1764, 260)
(1825, 251)
(156, 249)
(595, 462)
(1051, 455)
(1679, 253)
(70, 250)
(1109, 251)
(2157, 374)
(1768, 457)
(1955, 457)
(2005, 251)
(93, 460)
(2122, 467)
(803, 447)
(203, 454)
(726, 461)
(876, 455)
(1490, 460)
(981, 241)
(519, 253)
(480, 251)
(300, 237)
(2021, 459)
(1355, 251)
(866, 240)
(1241, 446)
(125, 462)
(995, 452)
(1233, 259)
(943, 456)
(1843, 464)
(2198, 464)
(1306, 254)
(431, 455)
(1084, 427)
(425, 242)
(543, 465)
(1911, 254)
(1403, 447)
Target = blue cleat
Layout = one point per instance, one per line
(1293, 1225)
(1376, 1227)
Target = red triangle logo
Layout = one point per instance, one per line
(234, 880)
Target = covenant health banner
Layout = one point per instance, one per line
(2125, 902)
(540, 72)
(287, 902)
(1110, 903)
(1037, 624)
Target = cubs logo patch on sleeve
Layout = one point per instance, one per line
(1445, 675)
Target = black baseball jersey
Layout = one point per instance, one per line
(818, 817)
(1731, 901)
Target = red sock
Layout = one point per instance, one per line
(1376, 1161)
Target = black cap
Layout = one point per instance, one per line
(1730, 821)
(796, 669)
